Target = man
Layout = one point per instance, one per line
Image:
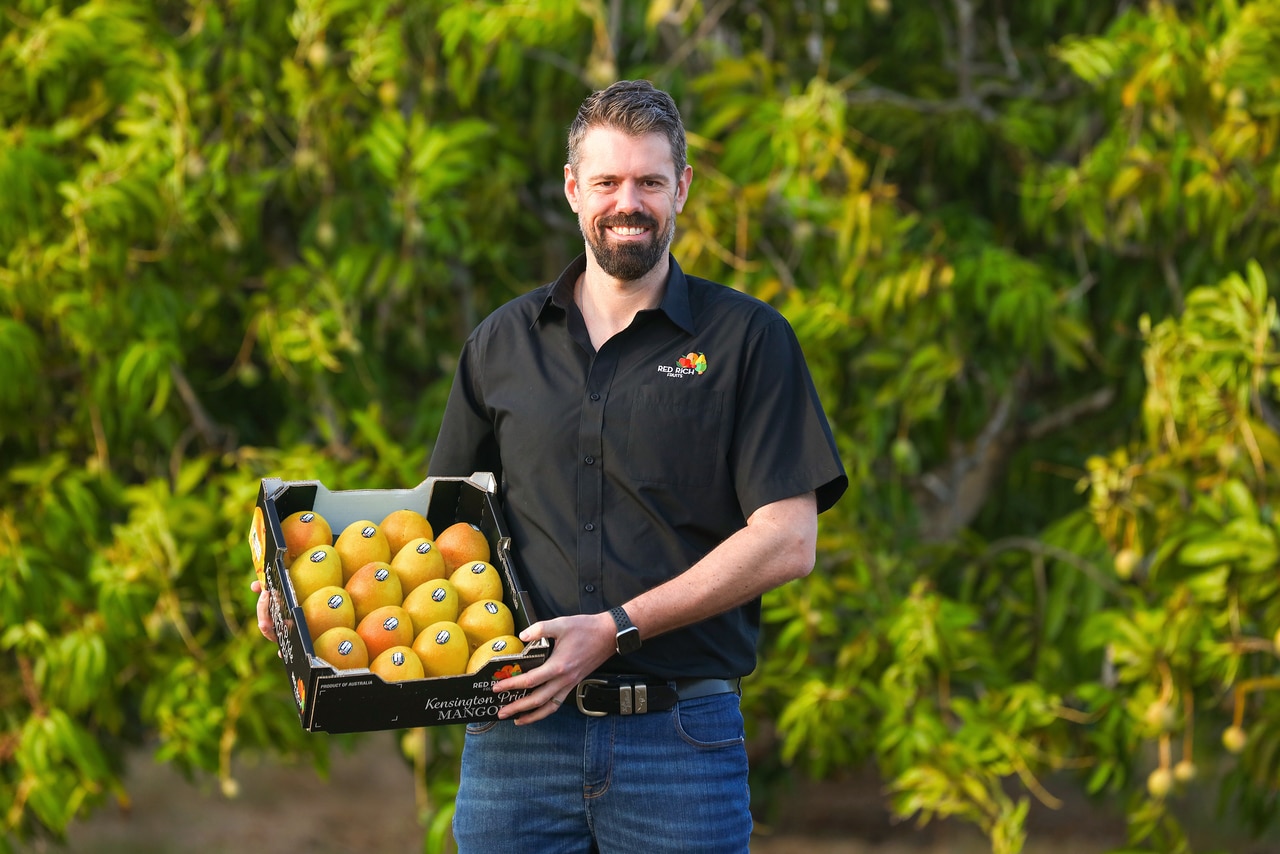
(663, 458)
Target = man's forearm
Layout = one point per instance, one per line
(777, 545)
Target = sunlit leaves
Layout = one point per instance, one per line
(59, 766)
(1094, 59)
(482, 36)
(1190, 509)
(1204, 369)
(1016, 250)
(144, 375)
(1192, 131)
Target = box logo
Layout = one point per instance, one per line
(257, 542)
(507, 672)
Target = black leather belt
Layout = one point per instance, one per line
(636, 695)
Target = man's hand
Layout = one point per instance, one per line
(582, 644)
(265, 625)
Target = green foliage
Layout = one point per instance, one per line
(1026, 247)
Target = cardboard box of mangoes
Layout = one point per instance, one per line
(395, 608)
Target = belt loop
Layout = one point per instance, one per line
(624, 699)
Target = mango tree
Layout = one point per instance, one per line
(1026, 247)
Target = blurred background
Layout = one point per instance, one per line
(1027, 246)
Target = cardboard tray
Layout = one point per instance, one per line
(358, 700)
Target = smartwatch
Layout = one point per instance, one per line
(628, 637)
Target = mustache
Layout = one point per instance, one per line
(629, 221)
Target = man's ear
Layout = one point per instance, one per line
(571, 187)
(682, 188)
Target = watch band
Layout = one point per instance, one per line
(627, 638)
(621, 619)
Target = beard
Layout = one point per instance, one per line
(633, 259)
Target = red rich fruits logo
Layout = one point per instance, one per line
(507, 672)
(688, 365)
(696, 362)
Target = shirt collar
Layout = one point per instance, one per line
(675, 301)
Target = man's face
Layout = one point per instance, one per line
(626, 193)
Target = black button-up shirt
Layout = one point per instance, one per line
(621, 468)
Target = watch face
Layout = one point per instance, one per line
(628, 640)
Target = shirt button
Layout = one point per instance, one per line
(595, 396)
(589, 460)
(590, 526)
(590, 588)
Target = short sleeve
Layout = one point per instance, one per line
(783, 445)
(466, 443)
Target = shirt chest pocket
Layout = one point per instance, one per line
(674, 436)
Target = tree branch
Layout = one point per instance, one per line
(1012, 68)
(972, 89)
(950, 496)
(877, 95)
(964, 49)
(708, 23)
(1039, 549)
(1171, 279)
(1072, 412)
(209, 430)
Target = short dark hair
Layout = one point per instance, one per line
(635, 107)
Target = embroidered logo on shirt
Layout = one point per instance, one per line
(689, 364)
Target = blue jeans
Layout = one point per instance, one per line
(673, 781)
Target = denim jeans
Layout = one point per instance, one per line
(673, 781)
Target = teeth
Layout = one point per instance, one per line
(631, 230)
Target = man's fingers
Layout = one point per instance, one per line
(265, 624)
(536, 631)
(538, 707)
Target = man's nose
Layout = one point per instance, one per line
(628, 198)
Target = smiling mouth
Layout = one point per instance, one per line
(629, 225)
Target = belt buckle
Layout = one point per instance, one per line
(581, 690)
